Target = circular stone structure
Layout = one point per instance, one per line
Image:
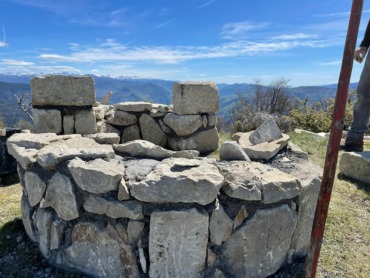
(137, 210)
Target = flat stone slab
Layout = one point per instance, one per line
(139, 106)
(254, 181)
(178, 180)
(178, 243)
(356, 166)
(47, 120)
(49, 156)
(267, 132)
(114, 209)
(105, 138)
(96, 176)
(59, 90)
(121, 118)
(266, 150)
(190, 98)
(151, 131)
(231, 150)
(243, 253)
(142, 148)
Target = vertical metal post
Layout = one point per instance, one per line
(334, 141)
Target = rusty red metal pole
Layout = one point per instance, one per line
(334, 141)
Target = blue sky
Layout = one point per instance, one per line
(226, 41)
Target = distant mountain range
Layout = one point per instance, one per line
(143, 89)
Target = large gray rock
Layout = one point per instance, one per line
(137, 170)
(57, 229)
(35, 187)
(203, 141)
(355, 166)
(85, 122)
(255, 181)
(134, 231)
(139, 106)
(47, 120)
(262, 151)
(24, 156)
(60, 196)
(131, 133)
(101, 252)
(105, 138)
(151, 131)
(96, 176)
(259, 248)
(178, 180)
(267, 132)
(231, 150)
(178, 243)
(52, 154)
(43, 220)
(27, 220)
(142, 148)
(191, 98)
(183, 125)
(113, 208)
(121, 118)
(220, 225)
(58, 90)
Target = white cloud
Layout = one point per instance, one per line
(238, 29)
(3, 44)
(342, 14)
(163, 24)
(9, 62)
(295, 37)
(206, 4)
(332, 63)
(60, 58)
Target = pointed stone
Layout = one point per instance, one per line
(267, 132)
(123, 191)
(220, 225)
(35, 187)
(240, 217)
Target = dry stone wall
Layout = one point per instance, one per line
(67, 105)
(136, 209)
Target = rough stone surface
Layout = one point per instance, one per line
(68, 124)
(151, 131)
(240, 217)
(113, 208)
(297, 151)
(139, 106)
(355, 166)
(164, 127)
(96, 176)
(106, 250)
(27, 220)
(131, 133)
(251, 181)
(123, 191)
(183, 125)
(243, 254)
(137, 170)
(105, 138)
(263, 151)
(231, 150)
(212, 119)
(47, 120)
(203, 141)
(52, 154)
(171, 232)
(190, 98)
(58, 90)
(60, 196)
(25, 157)
(204, 121)
(43, 221)
(220, 225)
(35, 187)
(178, 180)
(121, 118)
(111, 129)
(267, 132)
(99, 112)
(161, 108)
(101, 126)
(85, 122)
(142, 148)
(134, 230)
(57, 228)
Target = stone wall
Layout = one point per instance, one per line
(8, 165)
(139, 210)
(67, 105)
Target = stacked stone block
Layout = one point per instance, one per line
(63, 104)
(92, 207)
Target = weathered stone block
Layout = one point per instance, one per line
(68, 124)
(191, 98)
(220, 225)
(58, 90)
(35, 187)
(139, 106)
(355, 166)
(267, 132)
(131, 133)
(47, 120)
(85, 122)
(151, 131)
(244, 254)
(203, 141)
(105, 138)
(172, 231)
(121, 118)
(231, 150)
(27, 220)
(183, 125)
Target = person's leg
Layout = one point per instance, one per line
(361, 111)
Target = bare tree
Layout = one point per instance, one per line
(25, 103)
